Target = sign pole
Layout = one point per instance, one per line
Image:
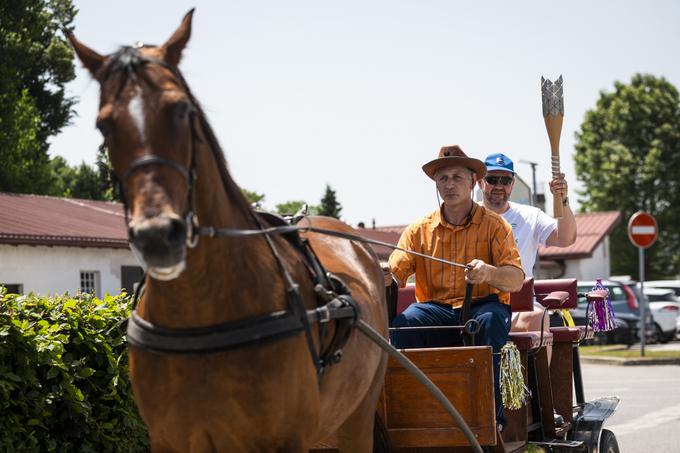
(643, 232)
(641, 254)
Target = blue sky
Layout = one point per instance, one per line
(360, 94)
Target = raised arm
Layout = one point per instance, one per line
(565, 233)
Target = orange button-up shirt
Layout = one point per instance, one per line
(486, 236)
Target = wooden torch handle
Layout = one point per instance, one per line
(553, 124)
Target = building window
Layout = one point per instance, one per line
(89, 282)
(13, 288)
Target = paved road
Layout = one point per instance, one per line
(648, 418)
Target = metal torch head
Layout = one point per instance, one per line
(553, 100)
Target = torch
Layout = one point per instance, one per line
(553, 114)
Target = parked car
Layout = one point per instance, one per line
(665, 284)
(661, 329)
(626, 311)
(665, 307)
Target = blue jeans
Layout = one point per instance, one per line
(494, 324)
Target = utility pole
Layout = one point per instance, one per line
(534, 203)
(534, 196)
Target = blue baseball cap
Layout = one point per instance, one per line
(499, 161)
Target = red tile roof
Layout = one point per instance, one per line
(390, 235)
(591, 229)
(41, 220)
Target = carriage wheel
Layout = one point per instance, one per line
(608, 443)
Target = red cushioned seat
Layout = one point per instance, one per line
(544, 287)
(566, 334)
(526, 341)
(405, 297)
(523, 300)
(571, 334)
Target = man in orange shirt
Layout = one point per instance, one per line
(463, 232)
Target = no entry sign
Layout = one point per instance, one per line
(642, 229)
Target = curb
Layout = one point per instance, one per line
(620, 361)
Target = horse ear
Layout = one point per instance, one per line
(173, 47)
(90, 59)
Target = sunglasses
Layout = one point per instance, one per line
(502, 180)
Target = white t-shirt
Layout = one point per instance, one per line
(531, 228)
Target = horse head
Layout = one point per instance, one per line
(147, 117)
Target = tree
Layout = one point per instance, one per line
(106, 184)
(36, 64)
(627, 156)
(83, 181)
(294, 206)
(86, 184)
(63, 177)
(329, 204)
(254, 198)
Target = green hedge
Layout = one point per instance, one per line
(63, 376)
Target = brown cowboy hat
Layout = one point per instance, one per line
(453, 156)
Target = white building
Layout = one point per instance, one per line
(588, 258)
(52, 245)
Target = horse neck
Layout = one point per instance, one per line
(223, 278)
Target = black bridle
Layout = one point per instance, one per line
(189, 175)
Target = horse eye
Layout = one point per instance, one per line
(182, 110)
(104, 128)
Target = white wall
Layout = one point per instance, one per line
(56, 270)
(598, 266)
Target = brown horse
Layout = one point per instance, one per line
(258, 397)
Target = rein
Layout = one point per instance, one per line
(235, 232)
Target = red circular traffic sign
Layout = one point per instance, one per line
(642, 229)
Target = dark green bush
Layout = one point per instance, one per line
(63, 376)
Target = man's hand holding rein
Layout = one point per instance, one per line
(505, 278)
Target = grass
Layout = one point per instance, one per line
(625, 352)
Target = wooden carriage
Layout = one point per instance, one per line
(414, 421)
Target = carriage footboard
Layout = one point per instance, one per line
(412, 416)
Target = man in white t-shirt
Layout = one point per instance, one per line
(530, 226)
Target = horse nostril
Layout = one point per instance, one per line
(158, 232)
(177, 232)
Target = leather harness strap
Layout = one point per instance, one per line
(231, 335)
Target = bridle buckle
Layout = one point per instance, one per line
(191, 222)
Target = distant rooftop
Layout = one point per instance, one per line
(42, 220)
(591, 229)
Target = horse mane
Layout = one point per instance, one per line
(130, 61)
